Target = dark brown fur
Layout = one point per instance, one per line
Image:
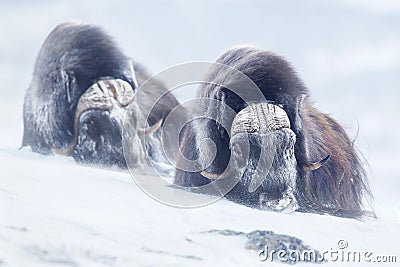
(337, 188)
(340, 185)
(73, 57)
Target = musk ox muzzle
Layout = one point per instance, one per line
(263, 158)
(112, 96)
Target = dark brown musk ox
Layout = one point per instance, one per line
(296, 157)
(79, 95)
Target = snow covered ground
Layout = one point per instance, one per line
(54, 212)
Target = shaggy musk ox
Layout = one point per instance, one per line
(296, 157)
(81, 89)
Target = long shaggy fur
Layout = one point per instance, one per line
(72, 58)
(337, 188)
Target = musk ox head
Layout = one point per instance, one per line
(262, 154)
(81, 94)
(282, 153)
(99, 121)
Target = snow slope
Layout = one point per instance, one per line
(55, 212)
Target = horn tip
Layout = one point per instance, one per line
(61, 152)
(324, 160)
(316, 165)
(209, 175)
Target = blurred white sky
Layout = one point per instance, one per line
(347, 52)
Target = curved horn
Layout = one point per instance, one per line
(68, 150)
(211, 176)
(316, 165)
(93, 98)
(151, 129)
(215, 176)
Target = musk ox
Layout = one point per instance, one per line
(81, 89)
(284, 153)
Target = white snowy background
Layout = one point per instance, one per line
(56, 212)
